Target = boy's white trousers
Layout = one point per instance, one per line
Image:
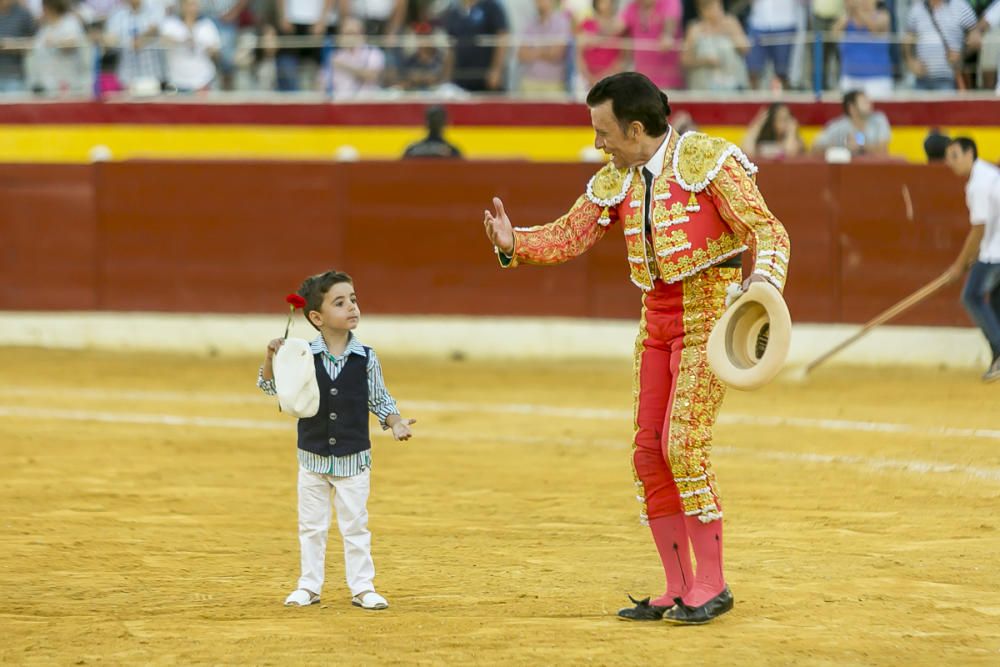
(350, 499)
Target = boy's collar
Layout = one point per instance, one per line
(354, 346)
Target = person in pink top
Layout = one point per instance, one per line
(656, 27)
(599, 54)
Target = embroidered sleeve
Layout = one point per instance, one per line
(576, 232)
(380, 401)
(742, 207)
(571, 235)
(266, 386)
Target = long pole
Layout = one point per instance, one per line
(883, 317)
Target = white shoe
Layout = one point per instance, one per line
(369, 600)
(993, 372)
(301, 598)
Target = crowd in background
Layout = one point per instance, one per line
(860, 131)
(537, 48)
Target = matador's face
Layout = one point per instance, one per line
(610, 138)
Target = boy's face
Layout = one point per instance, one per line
(339, 311)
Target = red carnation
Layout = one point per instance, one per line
(294, 301)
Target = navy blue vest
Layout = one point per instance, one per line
(340, 426)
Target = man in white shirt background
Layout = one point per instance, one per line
(980, 255)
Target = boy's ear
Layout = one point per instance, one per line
(315, 318)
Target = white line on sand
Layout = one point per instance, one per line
(154, 419)
(608, 414)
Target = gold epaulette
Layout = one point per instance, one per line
(609, 186)
(698, 159)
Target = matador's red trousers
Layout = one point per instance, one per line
(677, 396)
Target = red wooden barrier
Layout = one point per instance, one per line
(236, 237)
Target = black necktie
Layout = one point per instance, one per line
(647, 176)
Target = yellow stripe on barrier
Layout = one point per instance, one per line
(73, 143)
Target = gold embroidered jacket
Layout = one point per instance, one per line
(705, 208)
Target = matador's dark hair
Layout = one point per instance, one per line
(633, 98)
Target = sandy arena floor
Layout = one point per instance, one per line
(149, 518)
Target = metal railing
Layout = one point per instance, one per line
(309, 65)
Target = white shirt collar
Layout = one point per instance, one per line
(354, 346)
(655, 164)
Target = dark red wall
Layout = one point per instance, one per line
(237, 236)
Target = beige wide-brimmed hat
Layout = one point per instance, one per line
(295, 378)
(749, 343)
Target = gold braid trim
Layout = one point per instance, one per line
(640, 339)
(571, 235)
(698, 395)
(742, 207)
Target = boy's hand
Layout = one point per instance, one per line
(272, 347)
(401, 429)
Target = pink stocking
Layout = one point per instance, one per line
(670, 535)
(706, 541)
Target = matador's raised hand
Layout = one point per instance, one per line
(498, 228)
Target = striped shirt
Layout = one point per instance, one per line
(955, 18)
(380, 403)
(123, 27)
(16, 22)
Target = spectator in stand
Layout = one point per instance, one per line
(133, 30)
(598, 53)
(62, 61)
(865, 61)
(714, 50)
(774, 134)
(191, 45)
(936, 31)
(543, 55)
(378, 17)
(936, 146)
(423, 66)
(988, 38)
(682, 122)
(95, 13)
(225, 14)
(738, 8)
(260, 60)
(356, 67)
(861, 129)
(773, 25)
(16, 23)
(297, 65)
(108, 83)
(824, 16)
(434, 145)
(655, 25)
(971, 53)
(471, 65)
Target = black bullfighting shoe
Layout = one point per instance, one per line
(682, 614)
(642, 611)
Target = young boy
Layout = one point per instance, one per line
(334, 446)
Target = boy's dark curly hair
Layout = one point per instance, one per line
(314, 288)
